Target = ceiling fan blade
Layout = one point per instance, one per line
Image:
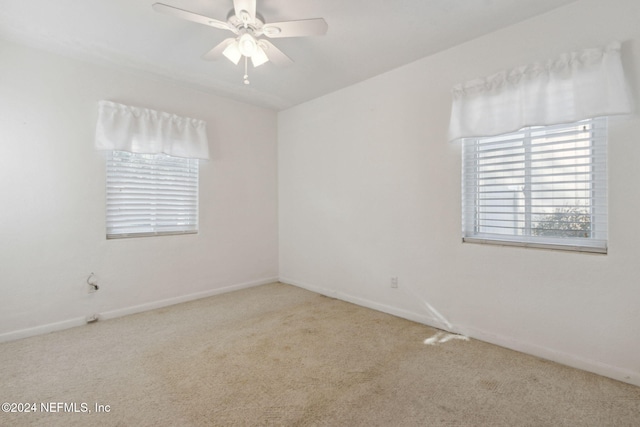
(194, 17)
(274, 54)
(245, 9)
(216, 52)
(301, 28)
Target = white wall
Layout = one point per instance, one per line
(369, 188)
(52, 193)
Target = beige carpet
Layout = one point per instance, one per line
(279, 355)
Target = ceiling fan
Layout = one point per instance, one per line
(248, 28)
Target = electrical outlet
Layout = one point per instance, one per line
(394, 282)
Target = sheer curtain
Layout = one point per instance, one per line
(141, 130)
(575, 86)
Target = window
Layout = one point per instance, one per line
(152, 169)
(541, 186)
(151, 194)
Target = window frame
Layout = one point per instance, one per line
(597, 242)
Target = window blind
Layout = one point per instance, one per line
(151, 194)
(541, 186)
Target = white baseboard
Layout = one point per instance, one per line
(42, 329)
(405, 314)
(112, 314)
(557, 356)
(571, 360)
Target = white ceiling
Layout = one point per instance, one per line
(365, 38)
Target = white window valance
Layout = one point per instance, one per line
(141, 130)
(575, 86)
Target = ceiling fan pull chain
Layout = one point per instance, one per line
(246, 75)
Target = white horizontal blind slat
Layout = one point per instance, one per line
(151, 194)
(538, 185)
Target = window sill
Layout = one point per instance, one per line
(537, 245)
(149, 234)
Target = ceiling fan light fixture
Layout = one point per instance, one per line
(247, 45)
(259, 57)
(232, 52)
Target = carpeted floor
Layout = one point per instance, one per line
(279, 355)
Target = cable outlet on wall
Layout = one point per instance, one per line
(394, 282)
